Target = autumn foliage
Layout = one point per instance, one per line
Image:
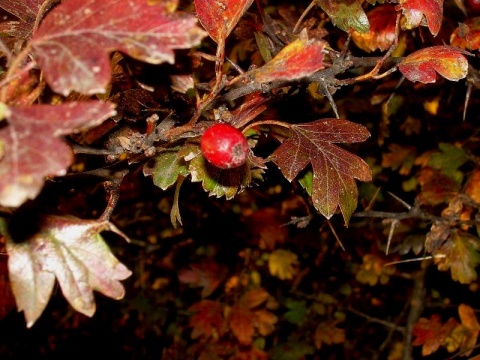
(346, 227)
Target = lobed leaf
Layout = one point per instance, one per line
(334, 169)
(73, 42)
(421, 65)
(26, 11)
(282, 264)
(166, 169)
(32, 148)
(208, 319)
(431, 333)
(70, 250)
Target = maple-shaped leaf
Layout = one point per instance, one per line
(282, 264)
(168, 166)
(220, 17)
(382, 29)
(208, 319)
(346, 14)
(33, 148)
(373, 270)
(431, 333)
(73, 42)
(207, 275)
(460, 254)
(26, 11)
(70, 250)
(334, 169)
(328, 333)
(417, 12)
(217, 182)
(399, 158)
(423, 64)
(242, 324)
(298, 59)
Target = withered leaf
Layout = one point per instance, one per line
(208, 319)
(328, 333)
(33, 148)
(26, 11)
(431, 333)
(74, 40)
(334, 169)
(70, 250)
(207, 275)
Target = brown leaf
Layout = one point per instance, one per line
(328, 333)
(334, 169)
(72, 46)
(423, 64)
(32, 146)
(470, 321)
(71, 250)
(220, 17)
(431, 333)
(417, 12)
(242, 324)
(207, 275)
(208, 320)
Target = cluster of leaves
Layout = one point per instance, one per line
(118, 94)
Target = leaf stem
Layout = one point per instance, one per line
(267, 122)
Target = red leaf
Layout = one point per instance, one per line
(296, 60)
(26, 11)
(73, 41)
(416, 11)
(219, 17)
(242, 324)
(421, 65)
(431, 333)
(467, 35)
(32, 148)
(206, 275)
(208, 319)
(334, 169)
(70, 250)
(382, 29)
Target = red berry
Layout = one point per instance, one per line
(224, 146)
(474, 6)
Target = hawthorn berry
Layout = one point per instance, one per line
(474, 6)
(224, 146)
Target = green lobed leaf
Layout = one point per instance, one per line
(346, 14)
(166, 169)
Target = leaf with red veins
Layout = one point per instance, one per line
(73, 42)
(219, 17)
(334, 169)
(26, 11)
(431, 333)
(70, 250)
(298, 59)
(382, 19)
(32, 148)
(421, 65)
(417, 12)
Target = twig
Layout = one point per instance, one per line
(372, 319)
(113, 190)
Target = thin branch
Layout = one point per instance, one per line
(372, 319)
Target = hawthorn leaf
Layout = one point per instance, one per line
(282, 264)
(334, 168)
(381, 35)
(219, 17)
(346, 14)
(417, 12)
(421, 65)
(166, 169)
(472, 188)
(26, 11)
(328, 333)
(459, 254)
(254, 298)
(467, 35)
(206, 275)
(73, 42)
(208, 319)
(71, 250)
(431, 333)
(469, 320)
(242, 324)
(298, 59)
(33, 148)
